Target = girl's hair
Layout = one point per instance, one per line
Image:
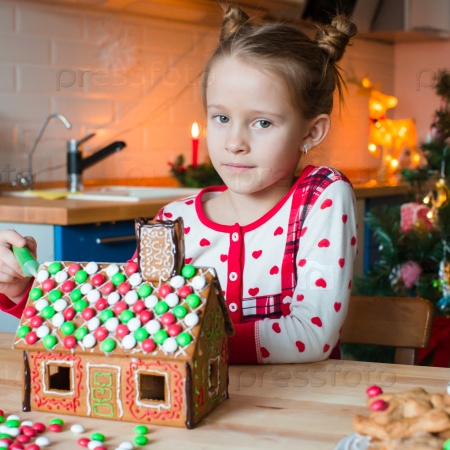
(307, 66)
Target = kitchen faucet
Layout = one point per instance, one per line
(76, 164)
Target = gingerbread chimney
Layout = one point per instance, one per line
(160, 248)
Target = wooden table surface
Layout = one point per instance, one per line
(308, 406)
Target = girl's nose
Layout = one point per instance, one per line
(236, 142)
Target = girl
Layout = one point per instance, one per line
(283, 247)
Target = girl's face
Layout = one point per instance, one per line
(255, 135)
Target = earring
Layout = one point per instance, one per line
(305, 148)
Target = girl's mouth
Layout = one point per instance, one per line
(237, 168)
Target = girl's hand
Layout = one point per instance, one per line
(13, 283)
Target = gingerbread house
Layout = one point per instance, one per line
(145, 341)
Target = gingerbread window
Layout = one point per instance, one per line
(152, 387)
(213, 377)
(58, 378)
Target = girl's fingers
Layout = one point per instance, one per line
(11, 237)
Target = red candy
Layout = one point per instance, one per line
(379, 405)
(23, 439)
(101, 334)
(38, 426)
(131, 268)
(101, 447)
(28, 431)
(123, 288)
(119, 307)
(31, 338)
(48, 285)
(68, 286)
(36, 321)
(145, 316)
(148, 345)
(69, 342)
(88, 313)
(373, 391)
(164, 290)
(32, 447)
(184, 291)
(55, 427)
(139, 306)
(168, 318)
(73, 269)
(122, 330)
(174, 330)
(98, 279)
(101, 304)
(69, 313)
(29, 312)
(7, 440)
(83, 442)
(16, 446)
(107, 288)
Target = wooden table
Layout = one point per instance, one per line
(305, 407)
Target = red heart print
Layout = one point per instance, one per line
(353, 241)
(337, 306)
(341, 262)
(303, 231)
(278, 231)
(320, 282)
(223, 293)
(204, 242)
(300, 346)
(302, 262)
(324, 243)
(264, 352)
(316, 321)
(188, 260)
(253, 291)
(223, 257)
(344, 218)
(257, 253)
(300, 297)
(186, 230)
(276, 327)
(189, 202)
(274, 270)
(168, 214)
(326, 347)
(326, 204)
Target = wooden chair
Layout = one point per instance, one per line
(401, 322)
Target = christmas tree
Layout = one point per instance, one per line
(414, 259)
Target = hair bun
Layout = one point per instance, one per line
(234, 18)
(334, 38)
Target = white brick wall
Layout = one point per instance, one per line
(135, 79)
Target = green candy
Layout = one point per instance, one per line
(160, 336)
(56, 421)
(13, 423)
(54, 267)
(49, 341)
(117, 278)
(105, 315)
(2, 419)
(141, 440)
(140, 334)
(48, 312)
(54, 295)
(183, 339)
(446, 445)
(97, 437)
(126, 315)
(140, 429)
(161, 308)
(35, 293)
(144, 291)
(81, 276)
(179, 311)
(75, 295)
(188, 271)
(23, 331)
(67, 328)
(108, 345)
(193, 300)
(79, 305)
(5, 436)
(81, 333)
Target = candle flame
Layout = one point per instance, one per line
(195, 130)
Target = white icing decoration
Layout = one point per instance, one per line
(93, 323)
(77, 428)
(42, 441)
(42, 275)
(129, 342)
(94, 444)
(172, 299)
(153, 326)
(170, 345)
(58, 320)
(42, 331)
(198, 282)
(126, 446)
(61, 276)
(177, 281)
(45, 366)
(191, 319)
(60, 305)
(111, 270)
(85, 288)
(93, 296)
(151, 301)
(112, 323)
(135, 279)
(113, 298)
(133, 324)
(131, 297)
(41, 304)
(91, 267)
(89, 341)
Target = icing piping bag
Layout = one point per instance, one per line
(27, 262)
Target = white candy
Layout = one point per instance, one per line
(27, 423)
(126, 446)
(4, 444)
(93, 296)
(4, 429)
(113, 298)
(85, 288)
(93, 323)
(89, 341)
(170, 345)
(14, 432)
(111, 270)
(198, 282)
(42, 331)
(151, 301)
(13, 417)
(191, 319)
(91, 268)
(42, 275)
(133, 324)
(58, 320)
(135, 279)
(172, 299)
(131, 297)
(60, 305)
(177, 281)
(94, 444)
(77, 428)
(61, 276)
(153, 326)
(448, 388)
(42, 441)
(41, 304)
(129, 342)
(112, 323)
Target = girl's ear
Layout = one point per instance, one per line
(318, 129)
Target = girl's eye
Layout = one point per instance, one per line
(263, 124)
(221, 119)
